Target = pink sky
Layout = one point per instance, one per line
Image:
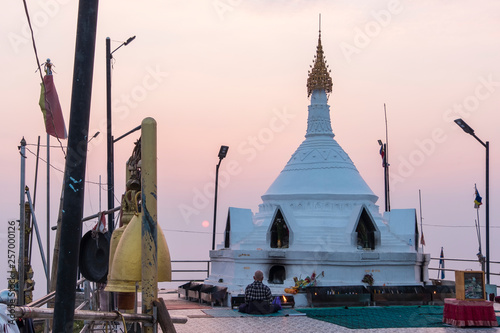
(234, 73)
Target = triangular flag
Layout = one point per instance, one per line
(477, 200)
(422, 240)
(441, 263)
(101, 225)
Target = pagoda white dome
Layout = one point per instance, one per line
(319, 167)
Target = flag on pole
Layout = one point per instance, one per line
(382, 154)
(101, 224)
(50, 106)
(422, 240)
(477, 200)
(441, 264)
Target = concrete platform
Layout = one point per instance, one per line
(199, 322)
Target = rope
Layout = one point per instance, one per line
(123, 320)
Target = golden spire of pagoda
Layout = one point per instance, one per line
(319, 76)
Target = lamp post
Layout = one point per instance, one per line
(110, 152)
(467, 129)
(384, 153)
(385, 165)
(222, 153)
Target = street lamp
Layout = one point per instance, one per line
(110, 152)
(222, 153)
(467, 129)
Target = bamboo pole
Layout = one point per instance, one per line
(149, 251)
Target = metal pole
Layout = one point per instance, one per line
(109, 135)
(387, 161)
(467, 129)
(57, 242)
(36, 173)
(100, 194)
(388, 187)
(124, 135)
(149, 252)
(48, 211)
(487, 212)
(47, 322)
(215, 201)
(487, 146)
(111, 176)
(28, 312)
(90, 217)
(22, 226)
(421, 219)
(385, 178)
(39, 239)
(74, 173)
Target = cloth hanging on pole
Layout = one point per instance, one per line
(51, 107)
(478, 199)
(441, 264)
(101, 224)
(382, 154)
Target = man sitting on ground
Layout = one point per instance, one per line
(258, 297)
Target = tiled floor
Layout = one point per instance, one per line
(198, 321)
(288, 324)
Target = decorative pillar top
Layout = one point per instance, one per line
(319, 75)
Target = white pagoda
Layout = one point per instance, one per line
(319, 215)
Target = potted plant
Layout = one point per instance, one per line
(368, 279)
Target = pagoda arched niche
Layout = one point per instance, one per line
(279, 235)
(365, 234)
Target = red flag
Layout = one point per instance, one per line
(422, 240)
(51, 109)
(382, 154)
(101, 225)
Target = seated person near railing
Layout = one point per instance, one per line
(258, 297)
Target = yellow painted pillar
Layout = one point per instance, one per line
(149, 218)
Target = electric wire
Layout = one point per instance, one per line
(103, 186)
(455, 226)
(34, 144)
(192, 232)
(39, 68)
(61, 171)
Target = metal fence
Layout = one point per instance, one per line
(197, 270)
(451, 261)
(447, 260)
(190, 270)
